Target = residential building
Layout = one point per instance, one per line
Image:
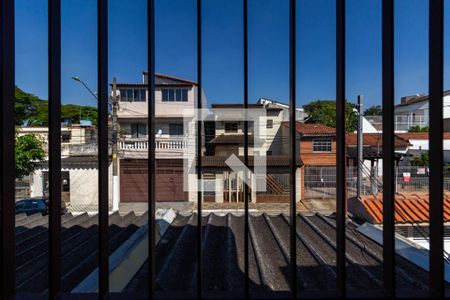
(264, 139)
(317, 151)
(413, 111)
(175, 100)
(300, 114)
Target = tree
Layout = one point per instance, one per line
(417, 128)
(374, 110)
(421, 161)
(29, 154)
(33, 111)
(324, 112)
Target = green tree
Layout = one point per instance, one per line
(374, 110)
(324, 112)
(33, 111)
(29, 154)
(417, 128)
(421, 161)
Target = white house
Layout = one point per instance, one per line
(175, 99)
(413, 111)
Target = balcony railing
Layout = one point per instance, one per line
(160, 144)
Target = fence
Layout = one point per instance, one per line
(320, 182)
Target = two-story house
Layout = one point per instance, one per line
(264, 137)
(175, 99)
(413, 111)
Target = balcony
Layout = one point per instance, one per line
(405, 122)
(172, 146)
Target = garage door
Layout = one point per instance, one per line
(169, 180)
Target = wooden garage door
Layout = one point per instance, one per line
(169, 180)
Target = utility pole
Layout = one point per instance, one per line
(359, 148)
(115, 165)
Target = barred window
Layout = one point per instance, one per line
(322, 145)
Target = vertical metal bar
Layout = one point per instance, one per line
(436, 75)
(7, 162)
(246, 188)
(293, 144)
(388, 146)
(103, 158)
(199, 150)
(54, 90)
(151, 149)
(340, 147)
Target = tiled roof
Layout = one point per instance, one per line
(375, 140)
(269, 240)
(409, 208)
(420, 98)
(270, 161)
(420, 135)
(312, 129)
(230, 139)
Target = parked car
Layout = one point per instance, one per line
(36, 205)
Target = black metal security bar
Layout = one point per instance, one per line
(341, 196)
(246, 214)
(293, 144)
(7, 165)
(199, 150)
(54, 90)
(103, 145)
(151, 170)
(436, 79)
(388, 146)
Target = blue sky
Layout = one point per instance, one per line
(223, 44)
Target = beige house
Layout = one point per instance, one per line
(175, 100)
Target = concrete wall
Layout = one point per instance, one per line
(83, 184)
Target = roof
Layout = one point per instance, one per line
(409, 208)
(223, 257)
(420, 135)
(161, 80)
(270, 161)
(370, 153)
(79, 247)
(239, 105)
(375, 140)
(312, 129)
(230, 139)
(418, 98)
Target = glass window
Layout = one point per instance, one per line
(322, 145)
(184, 95)
(142, 94)
(231, 127)
(165, 95)
(178, 95)
(176, 129)
(171, 95)
(269, 124)
(130, 95)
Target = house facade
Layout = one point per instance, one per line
(175, 100)
(413, 111)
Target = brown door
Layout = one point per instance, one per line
(169, 180)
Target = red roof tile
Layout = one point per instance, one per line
(420, 135)
(312, 129)
(375, 140)
(409, 208)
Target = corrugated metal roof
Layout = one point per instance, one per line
(223, 256)
(270, 161)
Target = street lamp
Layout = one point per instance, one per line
(113, 105)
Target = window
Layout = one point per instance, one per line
(231, 127)
(269, 124)
(269, 152)
(138, 130)
(322, 145)
(132, 95)
(174, 95)
(175, 129)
